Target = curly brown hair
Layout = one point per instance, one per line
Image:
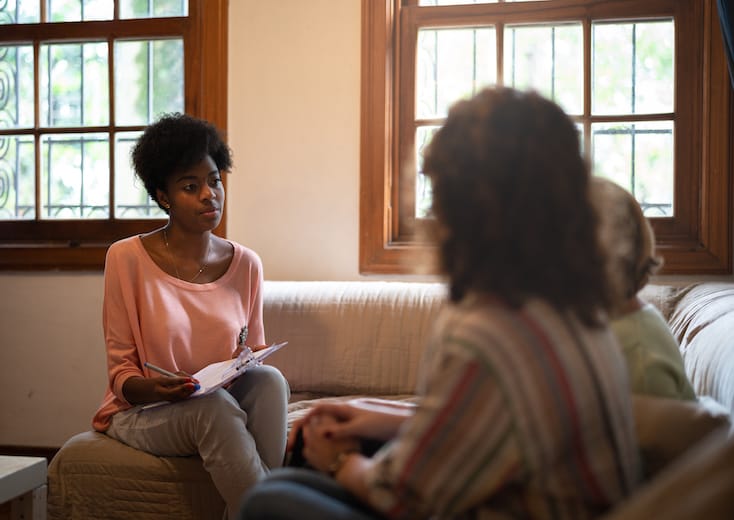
(175, 143)
(510, 193)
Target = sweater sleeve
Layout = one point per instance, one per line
(123, 358)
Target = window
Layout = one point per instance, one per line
(646, 82)
(79, 81)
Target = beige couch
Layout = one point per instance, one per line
(345, 338)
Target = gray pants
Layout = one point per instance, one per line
(239, 433)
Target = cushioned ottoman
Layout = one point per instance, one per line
(97, 468)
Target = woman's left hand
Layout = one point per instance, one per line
(240, 349)
(319, 450)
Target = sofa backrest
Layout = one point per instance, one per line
(367, 337)
(703, 324)
(353, 337)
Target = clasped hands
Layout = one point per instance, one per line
(332, 429)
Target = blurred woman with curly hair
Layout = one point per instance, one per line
(524, 408)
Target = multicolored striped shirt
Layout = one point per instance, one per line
(523, 413)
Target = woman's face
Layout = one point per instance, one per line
(196, 196)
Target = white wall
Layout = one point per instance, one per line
(294, 128)
(52, 362)
(294, 77)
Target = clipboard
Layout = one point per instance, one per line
(217, 375)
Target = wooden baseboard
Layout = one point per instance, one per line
(29, 451)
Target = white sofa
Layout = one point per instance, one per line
(345, 338)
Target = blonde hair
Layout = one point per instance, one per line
(626, 237)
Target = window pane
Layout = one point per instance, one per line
(16, 86)
(80, 10)
(131, 199)
(19, 11)
(548, 59)
(452, 64)
(75, 176)
(150, 73)
(17, 179)
(74, 84)
(423, 188)
(582, 137)
(639, 157)
(633, 68)
(153, 8)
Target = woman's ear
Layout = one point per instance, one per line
(163, 199)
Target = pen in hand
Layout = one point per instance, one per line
(166, 372)
(160, 370)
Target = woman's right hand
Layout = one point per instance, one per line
(353, 420)
(337, 411)
(174, 388)
(143, 390)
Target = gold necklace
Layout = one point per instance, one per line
(173, 263)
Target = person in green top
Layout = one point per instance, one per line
(653, 357)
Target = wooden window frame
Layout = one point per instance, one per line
(696, 241)
(82, 244)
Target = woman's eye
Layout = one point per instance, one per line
(215, 182)
(189, 187)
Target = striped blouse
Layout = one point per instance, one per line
(524, 413)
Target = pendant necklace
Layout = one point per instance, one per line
(173, 262)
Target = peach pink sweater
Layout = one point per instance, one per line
(149, 315)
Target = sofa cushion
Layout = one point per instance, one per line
(664, 297)
(298, 409)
